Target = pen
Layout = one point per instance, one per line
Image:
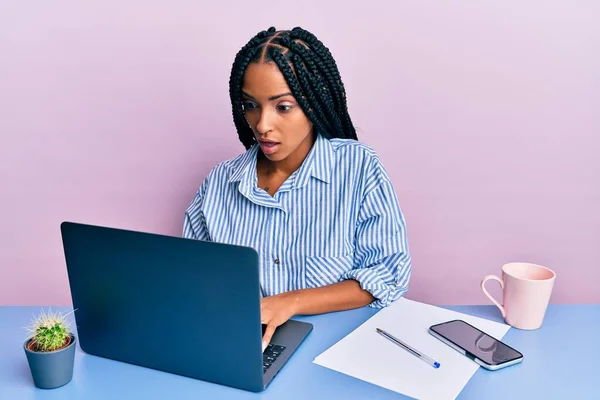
(406, 347)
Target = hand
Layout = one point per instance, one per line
(274, 311)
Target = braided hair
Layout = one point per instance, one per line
(309, 70)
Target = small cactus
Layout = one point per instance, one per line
(49, 331)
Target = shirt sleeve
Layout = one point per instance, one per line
(382, 263)
(194, 223)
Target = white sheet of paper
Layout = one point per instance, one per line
(366, 355)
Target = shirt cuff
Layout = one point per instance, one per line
(369, 280)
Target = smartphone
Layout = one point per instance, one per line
(480, 347)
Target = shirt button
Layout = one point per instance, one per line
(276, 261)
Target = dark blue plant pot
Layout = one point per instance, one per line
(51, 369)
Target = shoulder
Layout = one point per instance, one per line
(362, 158)
(227, 169)
(352, 147)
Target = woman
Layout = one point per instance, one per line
(316, 204)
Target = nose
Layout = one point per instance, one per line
(264, 124)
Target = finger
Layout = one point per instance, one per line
(263, 319)
(267, 336)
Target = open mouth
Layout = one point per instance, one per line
(268, 147)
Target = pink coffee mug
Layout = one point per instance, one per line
(526, 290)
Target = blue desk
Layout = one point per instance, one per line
(562, 361)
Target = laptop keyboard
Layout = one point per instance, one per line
(270, 355)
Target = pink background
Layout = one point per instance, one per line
(486, 115)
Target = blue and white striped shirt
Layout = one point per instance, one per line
(336, 217)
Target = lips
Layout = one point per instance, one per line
(268, 146)
(268, 142)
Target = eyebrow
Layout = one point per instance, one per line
(270, 98)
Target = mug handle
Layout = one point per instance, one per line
(493, 277)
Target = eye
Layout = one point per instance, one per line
(284, 107)
(248, 105)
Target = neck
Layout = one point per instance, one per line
(290, 164)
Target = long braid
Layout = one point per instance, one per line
(309, 70)
(332, 72)
(320, 89)
(319, 70)
(244, 131)
(288, 74)
(242, 59)
(310, 88)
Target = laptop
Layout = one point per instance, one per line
(182, 306)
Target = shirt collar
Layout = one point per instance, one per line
(318, 163)
(245, 165)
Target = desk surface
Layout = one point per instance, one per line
(562, 360)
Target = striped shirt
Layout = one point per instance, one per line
(336, 217)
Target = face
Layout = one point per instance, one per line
(280, 126)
